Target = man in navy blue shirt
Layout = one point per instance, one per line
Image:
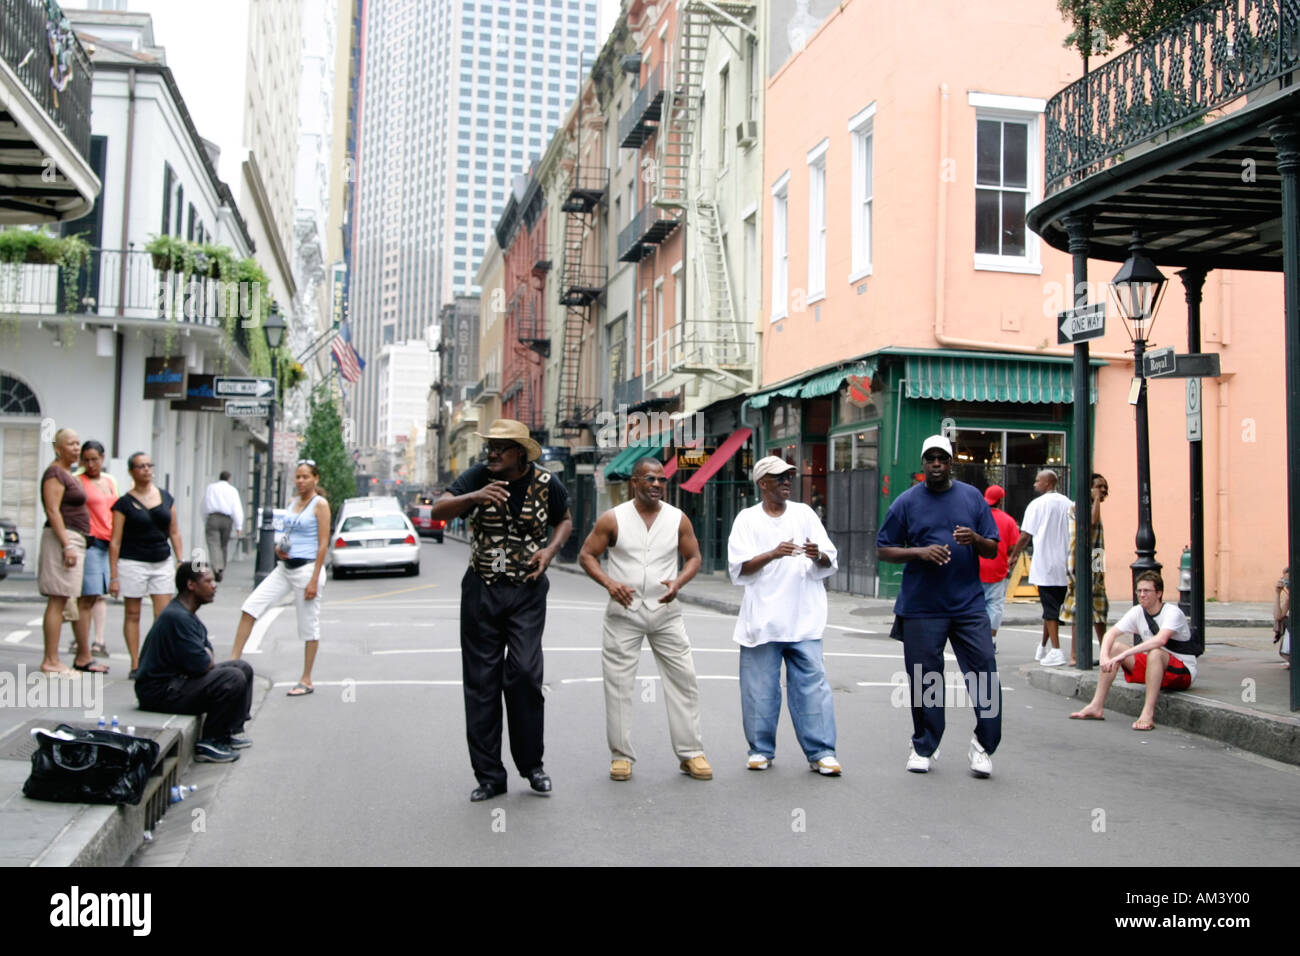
(941, 529)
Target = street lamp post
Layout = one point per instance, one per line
(1136, 291)
(274, 328)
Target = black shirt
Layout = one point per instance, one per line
(478, 476)
(177, 646)
(144, 535)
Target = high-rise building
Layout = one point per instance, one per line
(456, 98)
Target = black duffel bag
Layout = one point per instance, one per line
(89, 766)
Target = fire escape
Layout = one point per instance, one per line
(582, 281)
(716, 341)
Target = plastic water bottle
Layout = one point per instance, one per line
(103, 724)
(116, 728)
(130, 731)
(179, 793)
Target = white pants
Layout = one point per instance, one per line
(279, 583)
(621, 651)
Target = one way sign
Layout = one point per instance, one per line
(227, 387)
(1080, 324)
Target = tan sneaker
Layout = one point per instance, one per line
(620, 770)
(698, 768)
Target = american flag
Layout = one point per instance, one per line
(350, 363)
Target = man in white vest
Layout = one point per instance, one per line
(643, 538)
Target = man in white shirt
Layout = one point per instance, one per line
(1162, 656)
(643, 538)
(781, 554)
(224, 513)
(1047, 527)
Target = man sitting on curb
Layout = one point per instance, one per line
(1163, 660)
(178, 673)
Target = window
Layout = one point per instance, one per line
(724, 90)
(817, 221)
(168, 179)
(860, 133)
(780, 248)
(1006, 181)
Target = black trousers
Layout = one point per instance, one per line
(972, 644)
(501, 654)
(224, 694)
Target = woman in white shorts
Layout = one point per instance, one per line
(300, 552)
(145, 533)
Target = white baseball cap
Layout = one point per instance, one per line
(939, 442)
(771, 465)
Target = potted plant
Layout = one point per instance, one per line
(221, 261)
(168, 252)
(70, 254)
(27, 246)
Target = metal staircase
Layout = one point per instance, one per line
(582, 281)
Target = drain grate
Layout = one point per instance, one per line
(19, 744)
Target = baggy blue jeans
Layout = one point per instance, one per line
(807, 692)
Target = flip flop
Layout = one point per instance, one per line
(91, 668)
(65, 672)
(300, 690)
(98, 650)
(1079, 715)
(1143, 729)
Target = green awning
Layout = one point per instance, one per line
(983, 379)
(818, 385)
(619, 467)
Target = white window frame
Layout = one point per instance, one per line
(1016, 109)
(781, 247)
(861, 212)
(817, 251)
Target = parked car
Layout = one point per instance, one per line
(428, 526)
(373, 537)
(12, 553)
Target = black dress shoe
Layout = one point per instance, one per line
(486, 791)
(540, 781)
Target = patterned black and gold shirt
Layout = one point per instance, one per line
(503, 538)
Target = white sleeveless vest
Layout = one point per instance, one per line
(642, 557)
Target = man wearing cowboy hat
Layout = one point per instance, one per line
(514, 507)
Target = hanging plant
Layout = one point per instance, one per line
(71, 254)
(167, 251)
(32, 246)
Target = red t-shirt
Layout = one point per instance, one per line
(100, 505)
(993, 570)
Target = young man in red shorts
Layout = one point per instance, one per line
(1161, 657)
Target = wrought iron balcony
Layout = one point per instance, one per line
(1208, 60)
(642, 118)
(651, 226)
(699, 348)
(489, 386)
(586, 189)
(530, 327)
(577, 414)
(583, 284)
(627, 393)
(43, 60)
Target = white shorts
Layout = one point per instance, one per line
(277, 585)
(135, 579)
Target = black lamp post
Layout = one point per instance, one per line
(274, 327)
(1136, 291)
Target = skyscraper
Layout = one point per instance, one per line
(456, 97)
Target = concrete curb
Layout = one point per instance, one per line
(1277, 738)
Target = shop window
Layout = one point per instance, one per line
(855, 450)
(784, 420)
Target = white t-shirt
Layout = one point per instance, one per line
(1048, 519)
(1171, 616)
(786, 599)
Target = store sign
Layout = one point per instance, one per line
(164, 378)
(199, 396)
(693, 457)
(857, 389)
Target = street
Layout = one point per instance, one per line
(372, 769)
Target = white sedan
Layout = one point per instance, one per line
(378, 540)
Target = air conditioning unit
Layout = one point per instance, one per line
(747, 133)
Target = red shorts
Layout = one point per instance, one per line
(1177, 676)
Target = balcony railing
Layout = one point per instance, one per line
(587, 187)
(487, 387)
(642, 117)
(651, 226)
(102, 288)
(627, 393)
(60, 81)
(577, 413)
(696, 348)
(583, 284)
(1208, 60)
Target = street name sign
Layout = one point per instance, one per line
(1081, 323)
(1159, 362)
(247, 409)
(225, 387)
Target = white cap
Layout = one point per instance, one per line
(937, 441)
(771, 465)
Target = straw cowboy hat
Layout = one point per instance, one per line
(505, 429)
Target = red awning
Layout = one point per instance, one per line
(719, 458)
(670, 467)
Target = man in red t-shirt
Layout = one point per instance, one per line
(994, 571)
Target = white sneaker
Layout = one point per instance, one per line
(1039, 649)
(827, 767)
(980, 763)
(1054, 658)
(759, 762)
(918, 764)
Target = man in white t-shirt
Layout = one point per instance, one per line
(1163, 660)
(781, 554)
(1047, 526)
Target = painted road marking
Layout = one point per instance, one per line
(35, 622)
(373, 683)
(600, 680)
(644, 650)
(851, 630)
(13, 637)
(384, 594)
(254, 645)
(947, 686)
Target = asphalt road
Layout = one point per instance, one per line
(372, 769)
